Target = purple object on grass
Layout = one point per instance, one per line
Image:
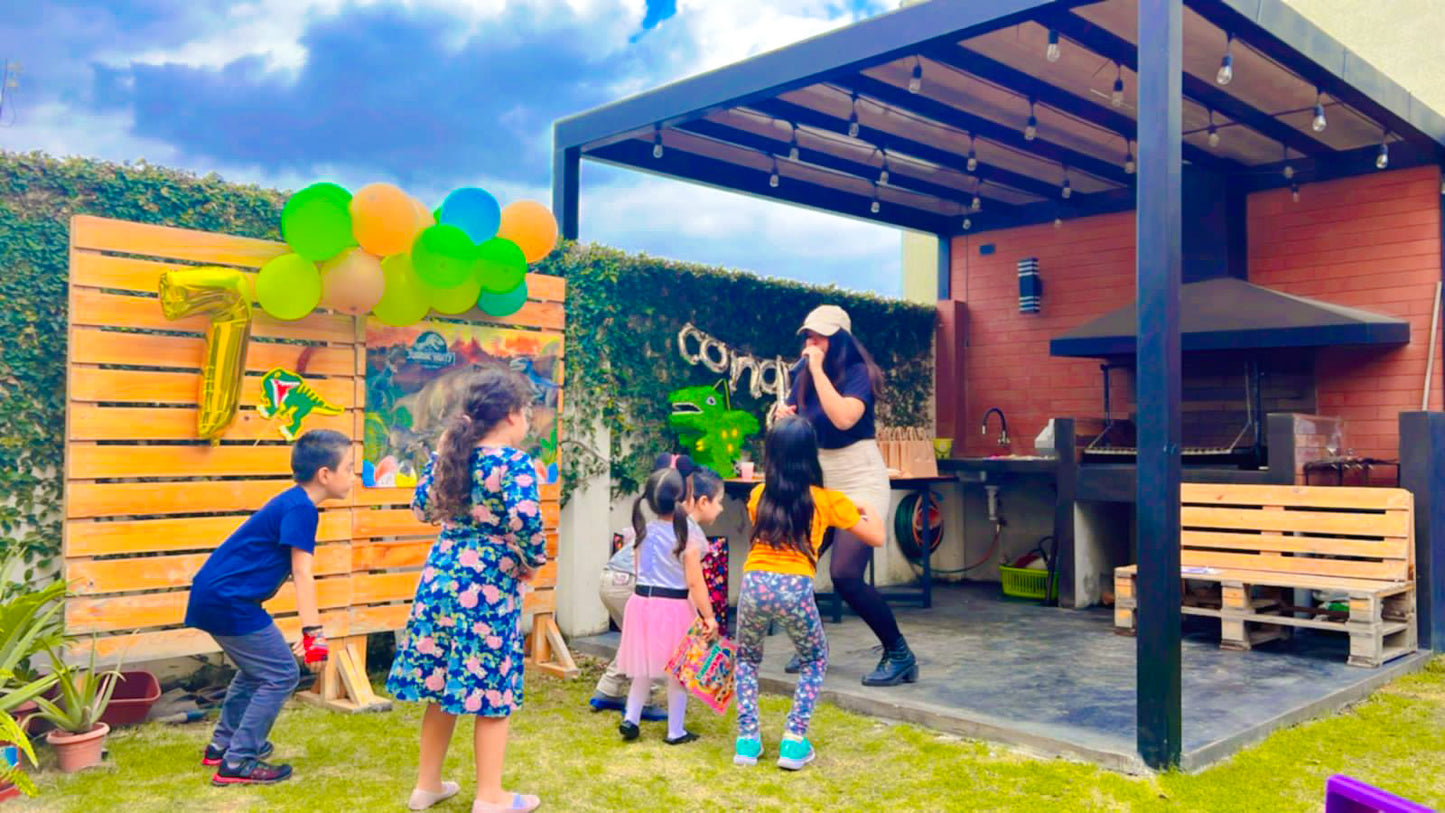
(1344, 794)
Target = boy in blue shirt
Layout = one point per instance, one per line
(226, 596)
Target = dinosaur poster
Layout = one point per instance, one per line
(415, 377)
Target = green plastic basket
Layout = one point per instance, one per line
(1023, 582)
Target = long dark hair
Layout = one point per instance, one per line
(844, 351)
(784, 518)
(492, 394)
(664, 492)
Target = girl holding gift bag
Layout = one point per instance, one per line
(670, 593)
(791, 512)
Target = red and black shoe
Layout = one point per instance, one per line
(251, 772)
(214, 755)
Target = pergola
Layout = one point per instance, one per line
(956, 116)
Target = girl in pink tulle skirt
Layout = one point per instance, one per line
(670, 594)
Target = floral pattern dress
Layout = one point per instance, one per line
(463, 644)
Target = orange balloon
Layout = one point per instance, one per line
(530, 225)
(352, 282)
(384, 219)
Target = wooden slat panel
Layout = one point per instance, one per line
(123, 613)
(1309, 522)
(91, 422)
(402, 496)
(375, 588)
(162, 535)
(180, 643)
(1391, 548)
(371, 523)
(386, 617)
(90, 576)
(152, 387)
(1297, 496)
(177, 461)
(105, 234)
(543, 315)
(546, 288)
(106, 499)
(1393, 569)
(1301, 580)
(94, 346)
(91, 307)
(391, 555)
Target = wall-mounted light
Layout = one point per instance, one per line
(1031, 287)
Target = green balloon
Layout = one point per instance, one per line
(316, 221)
(457, 299)
(504, 304)
(406, 299)
(501, 265)
(288, 287)
(443, 255)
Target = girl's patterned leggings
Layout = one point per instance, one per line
(786, 600)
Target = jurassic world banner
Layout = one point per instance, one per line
(416, 377)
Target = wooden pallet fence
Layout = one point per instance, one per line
(146, 501)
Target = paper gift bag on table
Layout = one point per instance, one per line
(705, 666)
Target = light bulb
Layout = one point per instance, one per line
(657, 149)
(976, 203)
(1294, 192)
(1068, 190)
(1058, 222)
(1226, 65)
(875, 207)
(1383, 159)
(1288, 171)
(1213, 136)
(915, 82)
(883, 176)
(793, 148)
(1129, 163)
(1031, 130)
(1319, 123)
(967, 224)
(972, 159)
(853, 126)
(1052, 52)
(1117, 97)
(773, 178)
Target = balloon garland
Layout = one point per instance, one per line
(382, 252)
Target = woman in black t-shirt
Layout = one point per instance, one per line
(835, 390)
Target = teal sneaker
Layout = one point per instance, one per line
(793, 754)
(747, 751)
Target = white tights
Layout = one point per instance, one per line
(676, 704)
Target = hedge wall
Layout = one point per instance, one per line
(624, 312)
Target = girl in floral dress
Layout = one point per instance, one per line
(462, 651)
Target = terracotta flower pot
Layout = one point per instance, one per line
(78, 751)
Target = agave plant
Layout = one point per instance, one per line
(84, 695)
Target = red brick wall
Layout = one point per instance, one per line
(1087, 267)
(1370, 242)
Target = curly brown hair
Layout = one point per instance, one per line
(494, 393)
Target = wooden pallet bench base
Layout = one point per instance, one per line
(343, 684)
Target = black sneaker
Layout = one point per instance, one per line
(251, 772)
(214, 755)
(629, 730)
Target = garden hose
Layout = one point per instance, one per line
(908, 528)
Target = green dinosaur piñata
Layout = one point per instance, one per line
(708, 427)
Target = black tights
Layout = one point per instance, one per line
(850, 559)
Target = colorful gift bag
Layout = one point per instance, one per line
(715, 576)
(705, 666)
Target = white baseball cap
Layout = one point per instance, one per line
(825, 320)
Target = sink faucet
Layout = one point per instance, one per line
(1002, 425)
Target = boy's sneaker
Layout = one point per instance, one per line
(602, 702)
(214, 755)
(747, 750)
(793, 754)
(251, 772)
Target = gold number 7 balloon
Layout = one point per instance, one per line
(223, 295)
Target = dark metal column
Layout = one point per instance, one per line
(945, 267)
(1158, 221)
(1422, 472)
(566, 182)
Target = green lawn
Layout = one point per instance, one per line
(574, 760)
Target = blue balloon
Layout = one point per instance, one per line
(474, 211)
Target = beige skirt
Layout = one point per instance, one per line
(858, 471)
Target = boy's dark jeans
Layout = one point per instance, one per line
(267, 674)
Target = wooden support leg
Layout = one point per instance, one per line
(548, 649)
(343, 684)
(1126, 603)
(1234, 600)
(1367, 630)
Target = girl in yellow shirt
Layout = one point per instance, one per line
(791, 512)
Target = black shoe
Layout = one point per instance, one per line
(795, 665)
(687, 736)
(628, 730)
(898, 666)
(214, 755)
(250, 772)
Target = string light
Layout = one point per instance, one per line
(773, 178)
(1294, 192)
(883, 174)
(1051, 53)
(793, 144)
(967, 223)
(1068, 190)
(1116, 98)
(1031, 129)
(1226, 65)
(1058, 222)
(1288, 167)
(853, 119)
(972, 156)
(1319, 123)
(657, 141)
(1129, 159)
(1213, 131)
(875, 207)
(915, 82)
(1383, 159)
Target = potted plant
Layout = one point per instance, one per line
(29, 624)
(79, 735)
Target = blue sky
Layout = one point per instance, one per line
(429, 94)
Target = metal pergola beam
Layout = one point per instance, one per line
(1158, 258)
(797, 114)
(900, 99)
(1097, 203)
(1113, 47)
(975, 64)
(678, 163)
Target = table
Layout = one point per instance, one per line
(923, 594)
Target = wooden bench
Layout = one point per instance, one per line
(1245, 548)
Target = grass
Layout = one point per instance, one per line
(574, 760)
